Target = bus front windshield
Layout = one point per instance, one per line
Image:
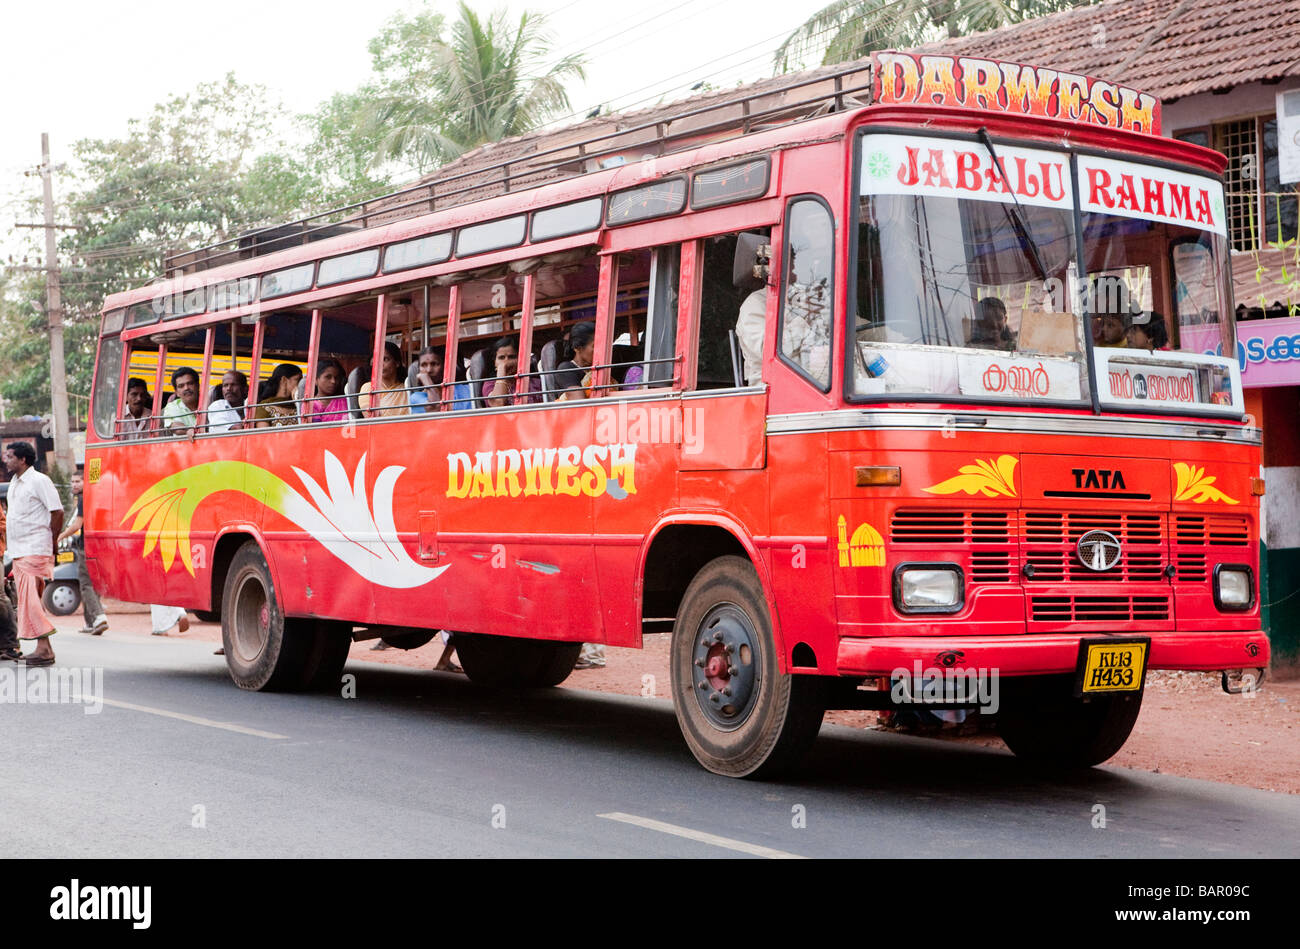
(968, 278)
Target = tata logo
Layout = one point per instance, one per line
(1098, 478)
(1098, 550)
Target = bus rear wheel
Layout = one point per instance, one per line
(512, 663)
(740, 715)
(1043, 723)
(265, 651)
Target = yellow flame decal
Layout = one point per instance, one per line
(1193, 485)
(987, 477)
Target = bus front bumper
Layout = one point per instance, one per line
(1047, 653)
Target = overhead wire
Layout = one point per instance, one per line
(126, 249)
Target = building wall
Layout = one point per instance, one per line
(1240, 102)
(1275, 408)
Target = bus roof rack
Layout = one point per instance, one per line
(538, 158)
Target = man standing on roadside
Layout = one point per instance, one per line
(96, 621)
(9, 649)
(35, 516)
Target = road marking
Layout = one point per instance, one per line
(740, 845)
(193, 719)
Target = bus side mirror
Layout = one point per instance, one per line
(753, 263)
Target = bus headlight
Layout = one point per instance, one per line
(928, 588)
(1234, 587)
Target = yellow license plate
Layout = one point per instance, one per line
(1112, 667)
(66, 556)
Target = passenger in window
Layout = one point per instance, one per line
(1110, 330)
(751, 325)
(181, 414)
(497, 390)
(329, 405)
(1112, 312)
(428, 377)
(226, 414)
(1148, 332)
(573, 376)
(135, 424)
(275, 404)
(990, 330)
(390, 399)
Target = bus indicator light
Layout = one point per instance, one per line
(876, 476)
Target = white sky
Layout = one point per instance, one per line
(82, 68)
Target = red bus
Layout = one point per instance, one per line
(886, 405)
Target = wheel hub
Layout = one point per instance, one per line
(725, 667)
(252, 619)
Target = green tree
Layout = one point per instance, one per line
(341, 156)
(850, 29)
(200, 167)
(491, 80)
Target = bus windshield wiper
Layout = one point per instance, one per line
(1017, 218)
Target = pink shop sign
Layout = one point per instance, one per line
(1267, 350)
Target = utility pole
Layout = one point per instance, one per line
(54, 311)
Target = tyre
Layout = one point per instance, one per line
(62, 597)
(412, 640)
(740, 716)
(323, 667)
(264, 651)
(1042, 722)
(512, 663)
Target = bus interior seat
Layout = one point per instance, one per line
(477, 372)
(356, 378)
(622, 355)
(547, 363)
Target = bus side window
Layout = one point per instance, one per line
(660, 337)
(490, 321)
(725, 298)
(282, 366)
(108, 383)
(134, 411)
(342, 362)
(232, 361)
(807, 304)
(567, 287)
(630, 313)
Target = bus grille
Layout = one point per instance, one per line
(1210, 531)
(928, 526)
(1098, 609)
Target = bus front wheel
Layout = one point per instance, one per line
(740, 715)
(264, 650)
(1043, 723)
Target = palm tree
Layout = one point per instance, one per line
(850, 29)
(491, 81)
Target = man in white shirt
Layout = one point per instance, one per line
(751, 325)
(35, 517)
(136, 422)
(226, 413)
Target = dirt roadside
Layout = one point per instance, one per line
(1188, 725)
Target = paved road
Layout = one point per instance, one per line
(424, 764)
